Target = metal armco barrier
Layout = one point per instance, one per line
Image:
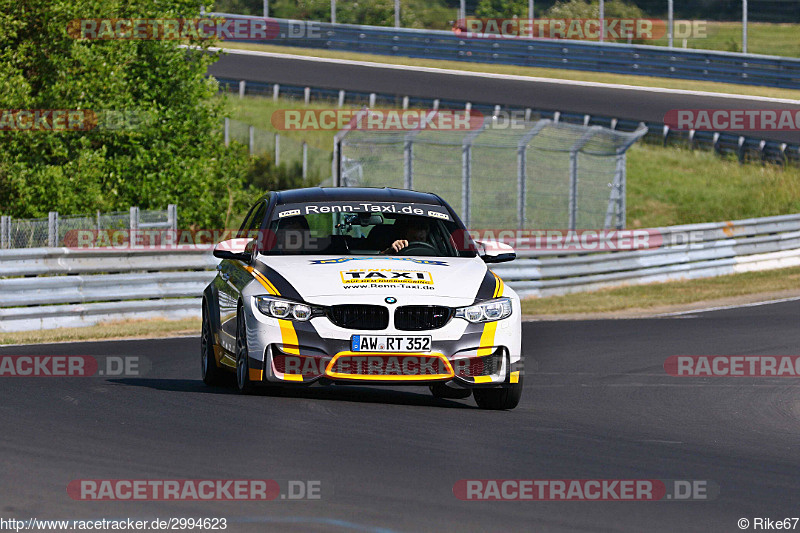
(645, 60)
(107, 285)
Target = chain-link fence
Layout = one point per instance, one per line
(514, 174)
(315, 163)
(53, 230)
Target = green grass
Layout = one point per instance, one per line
(111, 330)
(674, 293)
(762, 38)
(600, 77)
(668, 186)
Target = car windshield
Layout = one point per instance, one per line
(362, 228)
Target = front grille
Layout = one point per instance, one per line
(479, 366)
(364, 317)
(421, 317)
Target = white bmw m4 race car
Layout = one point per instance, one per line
(362, 286)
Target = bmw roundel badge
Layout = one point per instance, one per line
(390, 300)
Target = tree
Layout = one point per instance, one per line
(176, 155)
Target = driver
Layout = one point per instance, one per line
(415, 229)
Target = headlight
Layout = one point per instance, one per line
(287, 309)
(488, 311)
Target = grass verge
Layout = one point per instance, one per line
(669, 294)
(109, 330)
(564, 74)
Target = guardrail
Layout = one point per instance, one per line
(723, 143)
(643, 60)
(689, 251)
(47, 288)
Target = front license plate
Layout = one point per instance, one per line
(390, 343)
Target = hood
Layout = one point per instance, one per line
(335, 279)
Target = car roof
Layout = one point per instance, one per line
(355, 194)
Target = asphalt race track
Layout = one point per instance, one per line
(598, 406)
(611, 101)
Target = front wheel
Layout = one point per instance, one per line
(243, 383)
(212, 374)
(498, 399)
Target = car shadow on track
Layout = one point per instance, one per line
(341, 393)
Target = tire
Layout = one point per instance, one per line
(212, 374)
(243, 383)
(499, 399)
(443, 392)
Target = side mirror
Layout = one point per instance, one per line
(236, 249)
(495, 252)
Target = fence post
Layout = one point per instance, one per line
(276, 90)
(466, 170)
(52, 229)
(251, 142)
(341, 98)
(227, 131)
(573, 174)
(307, 95)
(305, 160)
(405, 102)
(277, 149)
(172, 217)
(408, 164)
(371, 100)
(5, 233)
(134, 219)
(242, 85)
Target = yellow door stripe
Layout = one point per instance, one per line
(515, 377)
(483, 379)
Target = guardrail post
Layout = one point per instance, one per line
(276, 91)
(307, 95)
(227, 131)
(172, 216)
(242, 85)
(665, 134)
(305, 160)
(371, 100)
(341, 98)
(251, 140)
(405, 102)
(277, 149)
(52, 229)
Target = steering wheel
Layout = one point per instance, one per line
(418, 246)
